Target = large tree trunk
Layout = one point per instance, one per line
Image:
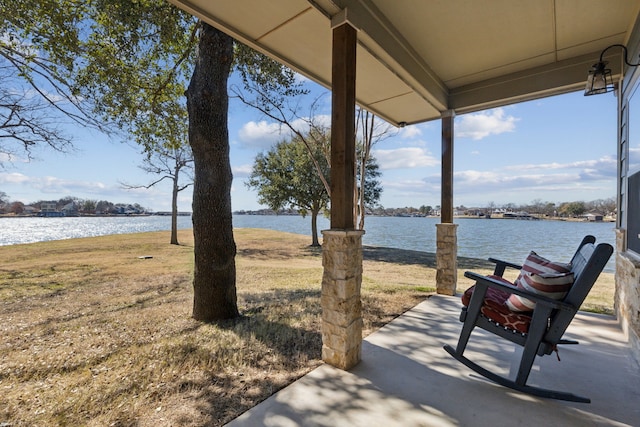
(214, 281)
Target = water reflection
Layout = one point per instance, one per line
(477, 238)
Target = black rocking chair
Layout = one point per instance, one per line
(548, 321)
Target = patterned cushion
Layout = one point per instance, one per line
(493, 298)
(542, 277)
(495, 308)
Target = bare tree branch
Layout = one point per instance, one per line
(169, 163)
(275, 112)
(29, 66)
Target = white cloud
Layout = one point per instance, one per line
(12, 158)
(410, 185)
(13, 178)
(242, 171)
(404, 158)
(476, 183)
(475, 187)
(50, 184)
(303, 124)
(410, 132)
(480, 125)
(601, 163)
(409, 192)
(323, 120)
(260, 134)
(605, 167)
(263, 134)
(472, 178)
(479, 177)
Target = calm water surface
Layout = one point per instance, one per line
(29, 230)
(477, 238)
(508, 239)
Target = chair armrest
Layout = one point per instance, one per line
(493, 283)
(502, 265)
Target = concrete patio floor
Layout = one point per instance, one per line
(407, 379)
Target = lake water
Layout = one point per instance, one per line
(508, 239)
(477, 238)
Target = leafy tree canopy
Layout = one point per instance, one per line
(117, 61)
(286, 176)
(372, 185)
(573, 208)
(132, 62)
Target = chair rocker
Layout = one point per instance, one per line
(546, 324)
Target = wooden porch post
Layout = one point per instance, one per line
(447, 243)
(343, 138)
(446, 195)
(342, 244)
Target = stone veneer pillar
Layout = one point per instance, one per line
(446, 258)
(341, 303)
(627, 295)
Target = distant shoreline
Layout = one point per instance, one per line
(259, 213)
(499, 216)
(94, 215)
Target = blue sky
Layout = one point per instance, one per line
(554, 149)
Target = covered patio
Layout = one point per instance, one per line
(415, 61)
(406, 379)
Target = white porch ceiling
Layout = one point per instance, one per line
(419, 58)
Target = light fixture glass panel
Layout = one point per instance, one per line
(599, 80)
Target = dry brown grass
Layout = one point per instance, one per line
(93, 335)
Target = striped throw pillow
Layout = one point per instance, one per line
(543, 277)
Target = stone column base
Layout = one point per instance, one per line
(627, 295)
(446, 259)
(341, 303)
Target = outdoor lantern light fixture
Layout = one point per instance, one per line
(600, 80)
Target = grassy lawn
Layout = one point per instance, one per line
(93, 334)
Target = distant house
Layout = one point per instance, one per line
(49, 209)
(29, 210)
(124, 209)
(594, 217)
(521, 214)
(46, 207)
(70, 209)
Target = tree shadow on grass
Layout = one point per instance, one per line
(410, 257)
(287, 325)
(281, 319)
(280, 254)
(291, 340)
